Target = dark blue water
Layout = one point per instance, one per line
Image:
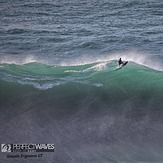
(59, 81)
(56, 31)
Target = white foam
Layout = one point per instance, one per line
(71, 71)
(17, 59)
(140, 58)
(98, 84)
(43, 86)
(137, 57)
(98, 67)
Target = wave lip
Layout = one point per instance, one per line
(131, 56)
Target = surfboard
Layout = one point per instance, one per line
(122, 65)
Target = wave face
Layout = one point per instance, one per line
(98, 74)
(92, 111)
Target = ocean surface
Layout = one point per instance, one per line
(60, 82)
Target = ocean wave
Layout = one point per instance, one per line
(42, 76)
(131, 56)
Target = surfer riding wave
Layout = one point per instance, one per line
(120, 62)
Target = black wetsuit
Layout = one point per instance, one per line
(120, 61)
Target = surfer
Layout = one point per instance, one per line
(120, 62)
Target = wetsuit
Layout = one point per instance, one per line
(120, 61)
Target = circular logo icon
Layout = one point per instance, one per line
(5, 147)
